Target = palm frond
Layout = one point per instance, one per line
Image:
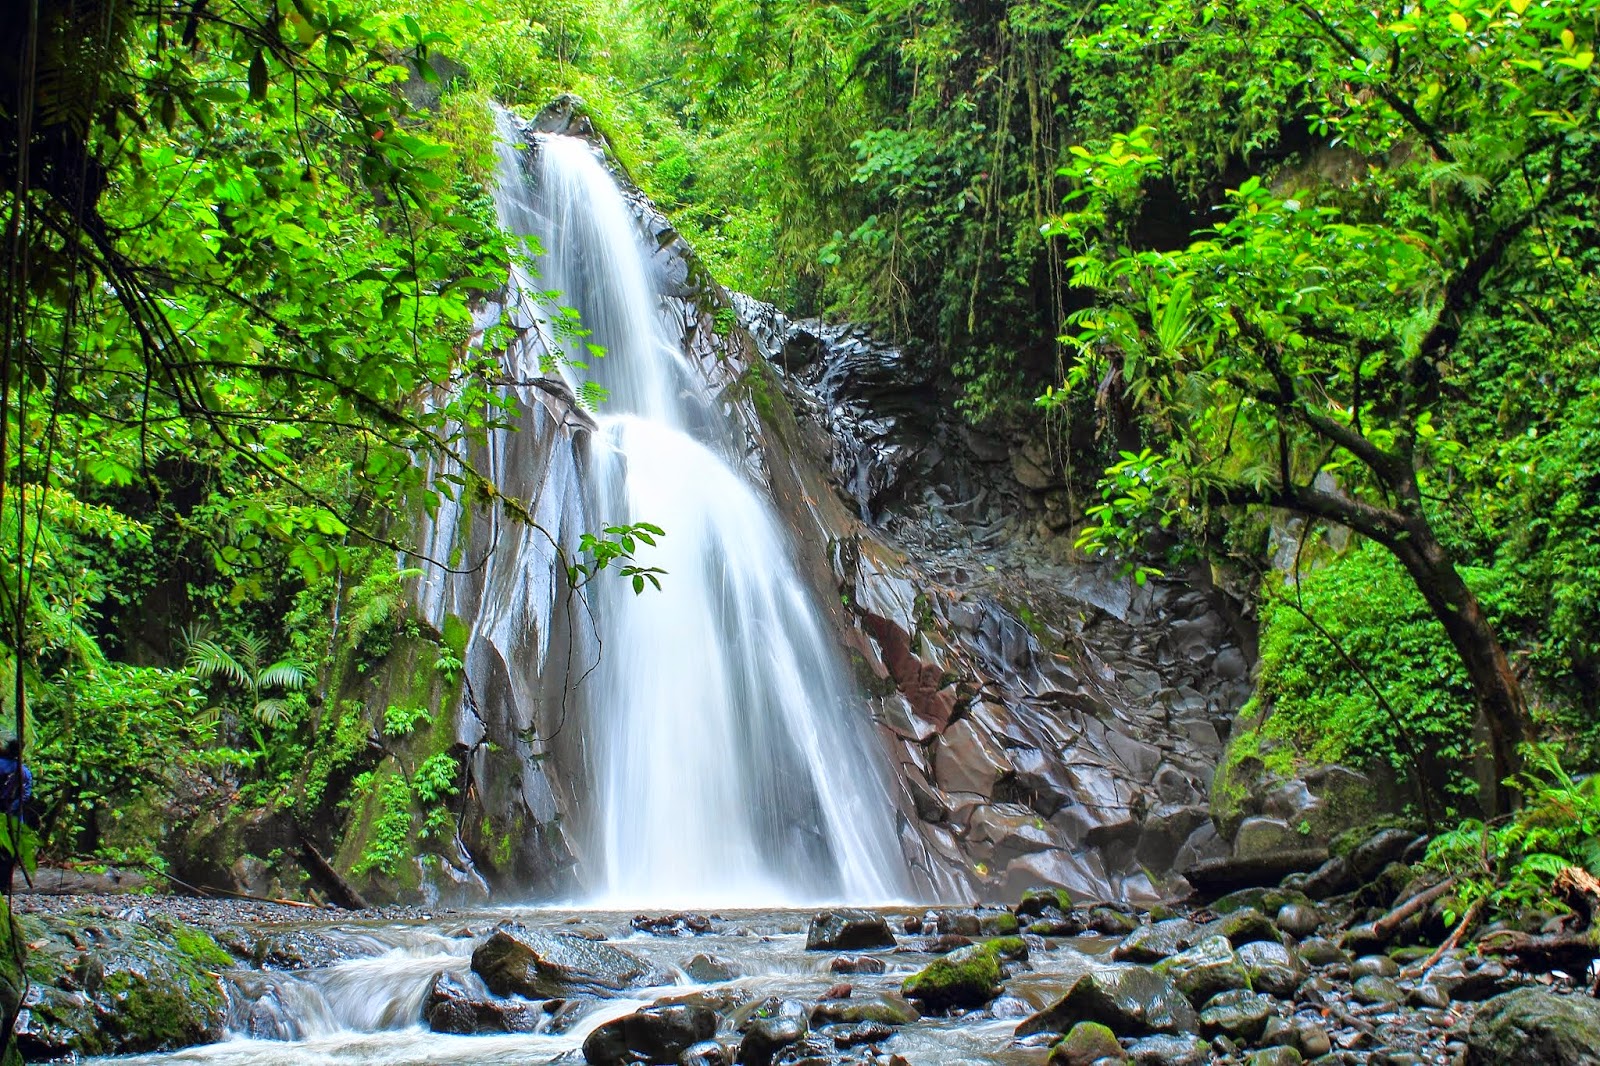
(284, 674)
(208, 658)
(272, 712)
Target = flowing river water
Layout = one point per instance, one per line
(366, 1011)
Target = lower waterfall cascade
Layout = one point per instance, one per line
(727, 758)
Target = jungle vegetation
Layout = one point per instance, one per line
(1238, 261)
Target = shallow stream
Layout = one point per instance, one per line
(367, 1009)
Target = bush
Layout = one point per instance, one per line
(1397, 680)
(107, 734)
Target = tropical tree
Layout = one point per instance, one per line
(1312, 351)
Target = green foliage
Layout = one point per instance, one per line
(402, 721)
(1352, 670)
(436, 778)
(108, 735)
(245, 667)
(388, 840)
(1510, 867)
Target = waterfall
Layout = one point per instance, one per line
(727, 757)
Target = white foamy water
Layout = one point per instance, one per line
(730, 761)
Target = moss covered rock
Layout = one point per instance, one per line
(1089, 1042)
(1531, 1026)
(967, 977)
(105, 985)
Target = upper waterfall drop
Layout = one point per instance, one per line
(729, 760)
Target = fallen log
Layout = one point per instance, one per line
(1211, 878)
(1375, 935)
(1569, 952)
(339, 890)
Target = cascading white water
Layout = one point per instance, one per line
(731, 762)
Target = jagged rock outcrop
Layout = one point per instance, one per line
(1053, 722)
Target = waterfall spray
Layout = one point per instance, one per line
(729, 759)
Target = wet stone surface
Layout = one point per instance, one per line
(400, 989)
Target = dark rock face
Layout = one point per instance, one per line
(659, 1034)
(1132, 1001)
(452, 1007)
(1529, 1027)
(543, 965)
(848, 930)
(1051, 723)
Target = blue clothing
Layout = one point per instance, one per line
(13, 798)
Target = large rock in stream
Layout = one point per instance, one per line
(659, 1034)
(848, 930)
(1130, 1001)
(105, 985)
(541, 965)
(451, 1006)
(1530, 1027)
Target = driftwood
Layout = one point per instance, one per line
(1386, 927)
(340, 891)
(1450, 944)
(1571, 950)
(1211, 878)
(1580, 890)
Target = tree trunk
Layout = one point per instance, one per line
(1498, 692)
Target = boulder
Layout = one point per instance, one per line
(451, 1007)
(1271, 967)
(1470, 980)
(1319, 951)
(857, 964)
(1244, 926)
(1152, 943)
(766, 1038)
(1377, 990)
(861, 1033)
(1373, 966)
(1531, 1027)
(1088, 1043)
(1378, 851)
(848, 930)
(1204, 970)
(708, 969)
(542, 965)
(967, 977)
(659, 1034)
(1238, 1014)
(1166, 1050)
(888, 1008)
(1129, 1000)
(102, 986)
(705, 1053)
(1260, 837)
(1299, 920)
(1275, 1056)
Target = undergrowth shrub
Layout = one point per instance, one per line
(1397, 679)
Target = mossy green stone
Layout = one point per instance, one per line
(969, 977)
(1087, 1043)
